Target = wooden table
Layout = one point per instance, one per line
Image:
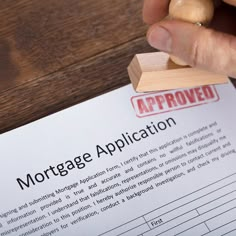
(57, 53)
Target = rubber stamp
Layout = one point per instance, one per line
(160, 71)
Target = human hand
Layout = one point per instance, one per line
(212, 48)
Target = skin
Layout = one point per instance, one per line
(212, 48)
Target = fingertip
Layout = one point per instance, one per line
(155, 10)
(160, 38)
(231, 2)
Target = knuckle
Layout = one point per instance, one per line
(194, 54)
(200, 52)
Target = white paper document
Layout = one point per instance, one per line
(125, 164)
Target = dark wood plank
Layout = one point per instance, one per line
(76, 83)
(40, 37)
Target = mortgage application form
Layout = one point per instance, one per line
(125, 164)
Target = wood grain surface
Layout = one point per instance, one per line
(57, 53)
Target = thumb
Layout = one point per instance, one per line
(197, 46)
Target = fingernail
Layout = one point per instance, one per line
(160, 38)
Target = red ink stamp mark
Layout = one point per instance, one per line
(167, 101)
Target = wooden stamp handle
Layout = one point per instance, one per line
(195, 11)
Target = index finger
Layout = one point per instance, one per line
(231, 2)
(155, 10)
